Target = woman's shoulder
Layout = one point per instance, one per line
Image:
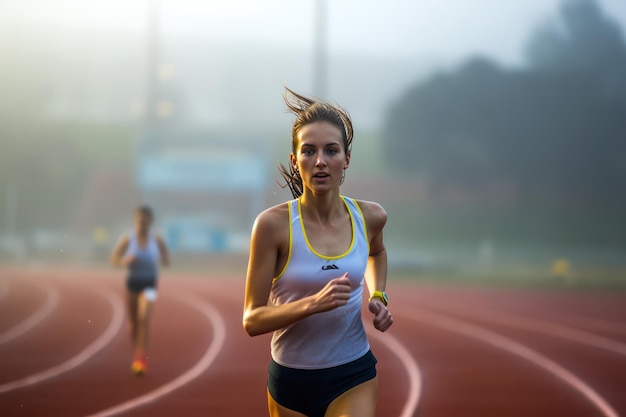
(373, 213)
(370, 208)
(157, 235)
(272, 218)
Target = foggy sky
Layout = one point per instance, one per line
(445, 30)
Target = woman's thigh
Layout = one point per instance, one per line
(359, 401)
(132, 304)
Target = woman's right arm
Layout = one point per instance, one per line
(259, 317)
(117, 257)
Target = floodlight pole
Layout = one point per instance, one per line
(150, 120)
(152, 63)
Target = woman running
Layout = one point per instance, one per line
(140, 252)
(308, 260)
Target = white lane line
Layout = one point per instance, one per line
(94, 347)
(596, 324)
(52, 301)
(4, 289)
(410, 365)
(516, 348)
(219, 337)
(539, 326)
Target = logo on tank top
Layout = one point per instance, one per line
(329, 266)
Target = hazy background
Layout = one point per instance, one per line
(492, 131)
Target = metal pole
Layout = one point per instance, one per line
(152, 63)
(320, 56)
(151, 90)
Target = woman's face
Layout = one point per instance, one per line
(320, 156)
(142, 222)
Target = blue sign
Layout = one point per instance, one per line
(229, 171)
(192, 236)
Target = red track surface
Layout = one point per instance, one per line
(480, 352)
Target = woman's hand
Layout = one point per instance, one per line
(382, 317)
(128, 260)
(334, 294)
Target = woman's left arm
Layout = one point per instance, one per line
(376, 273)
(163, 252)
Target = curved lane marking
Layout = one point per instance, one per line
(410, 365)
(219, 337)
(597, 324)
(546, 327)
(516, 348)
(52, 301)
(94, 347)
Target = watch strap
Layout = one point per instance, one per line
(382, 296)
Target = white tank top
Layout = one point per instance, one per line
(333, 337)
(147, 258)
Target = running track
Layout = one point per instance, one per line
(453, 351)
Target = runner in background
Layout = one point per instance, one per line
(140, 251)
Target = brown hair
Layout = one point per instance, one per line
(307, 111)
(145, 211)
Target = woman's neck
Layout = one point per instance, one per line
(322, 208)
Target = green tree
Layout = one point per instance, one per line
(553, 128)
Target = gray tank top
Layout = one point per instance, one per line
(147, 258)
(334, 337)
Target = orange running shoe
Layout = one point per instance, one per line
(138, 367)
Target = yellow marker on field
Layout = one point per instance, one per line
(100, 235)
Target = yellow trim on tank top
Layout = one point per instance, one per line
(306, 238)
(367, 239)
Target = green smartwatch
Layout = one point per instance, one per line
(382, 295)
